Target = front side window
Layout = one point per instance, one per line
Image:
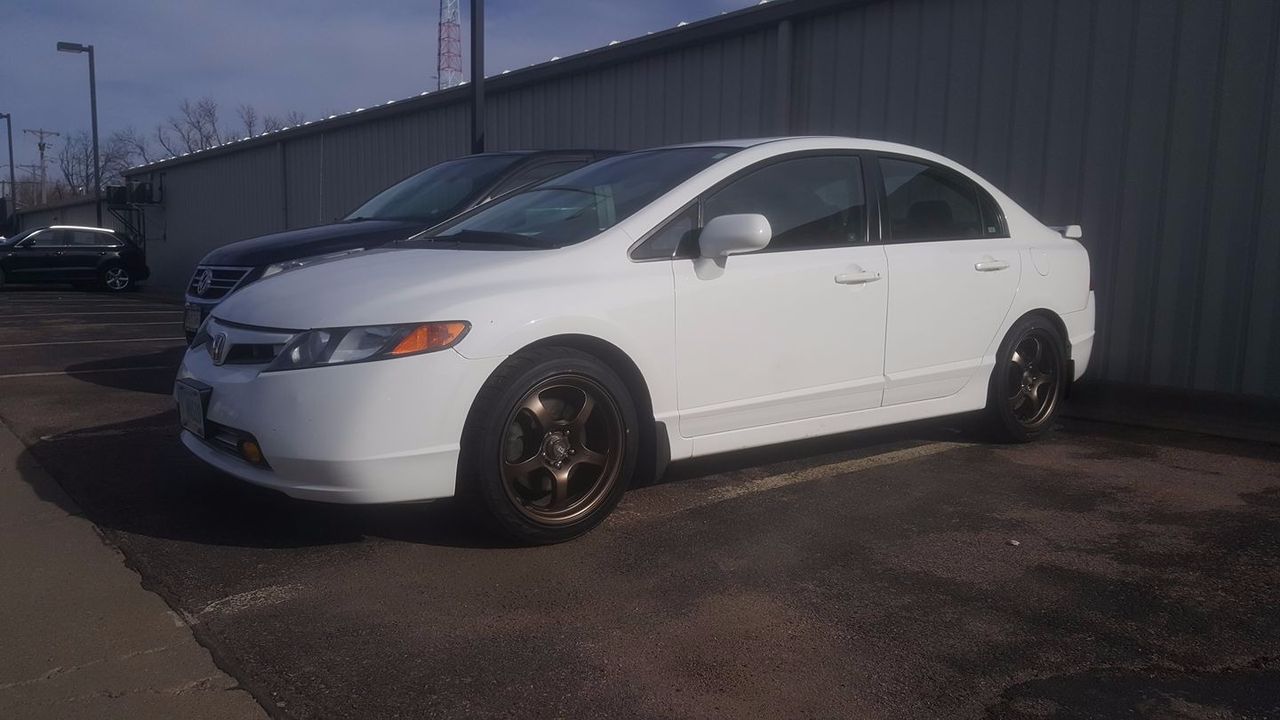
(48, 238)
(579, 205)
(925, 202)
(810, 202)
(437, 193)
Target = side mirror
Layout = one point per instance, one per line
(734, 234)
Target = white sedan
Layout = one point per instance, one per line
(537, 353)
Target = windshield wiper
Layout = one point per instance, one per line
(479, 237)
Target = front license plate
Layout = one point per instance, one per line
(192, 399)
(191, 319)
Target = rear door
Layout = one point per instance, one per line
(85, 251)
(793, 331)
(954, 273)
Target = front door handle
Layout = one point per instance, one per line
(857, 278)
(990, 265)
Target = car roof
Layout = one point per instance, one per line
(79, 227)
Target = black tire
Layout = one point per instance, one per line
(1028, 382)
(1, 278)
(513, 458)
(115, 278)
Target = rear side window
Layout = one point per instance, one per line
(810, 202)
(925, 202)
(87, 238)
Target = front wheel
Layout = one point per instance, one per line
(550, 445)
(1028, 382)
(115, 279)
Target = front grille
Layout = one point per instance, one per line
(241, 344)
(222, 280)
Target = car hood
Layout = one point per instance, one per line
(387, 286)
(312, 241)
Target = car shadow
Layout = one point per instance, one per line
(139, 373)
(135, 477)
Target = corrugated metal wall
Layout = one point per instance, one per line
(78, 213)
(1150, 122)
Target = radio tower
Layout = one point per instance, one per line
(449, 59)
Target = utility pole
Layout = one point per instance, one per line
(41, 134)
(13, 185)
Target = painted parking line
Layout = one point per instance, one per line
(821, 472)
(177, 311)
(99, 371)
(131, 324)
(94, 342)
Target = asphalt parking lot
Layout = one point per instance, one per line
(904, 573)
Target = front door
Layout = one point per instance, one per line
(38, 258)
(793, 331)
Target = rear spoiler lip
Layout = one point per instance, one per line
(1070, 232)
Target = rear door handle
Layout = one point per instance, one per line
(857, 278)
(989, 265)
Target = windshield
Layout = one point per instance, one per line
(437, 193)
(16, 238)
(581, 204)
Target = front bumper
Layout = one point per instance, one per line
(376, 432)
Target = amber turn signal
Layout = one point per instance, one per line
(429, 337)
(250, 451)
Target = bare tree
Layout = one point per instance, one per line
(295, 118)
(140, 151)
(249, 118)
(195, 127)
(271, 123)
(75, 163)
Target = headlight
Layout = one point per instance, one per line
(340, 346)
(300, 262)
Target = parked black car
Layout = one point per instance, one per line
(408, 207)
(82, 256)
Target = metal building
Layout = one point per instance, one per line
(1150, 122)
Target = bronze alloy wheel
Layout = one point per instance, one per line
(1033, 380)
(562, 450)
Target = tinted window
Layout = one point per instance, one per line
(925, 202)
(536, 174)
(437, 193)
(581, 204)
(49, 238)
(86, 238)
(810, 202)
(677, 233)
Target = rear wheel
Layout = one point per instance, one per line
(115, 278)
(550, 445)
(1028, 382)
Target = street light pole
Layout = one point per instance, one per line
(13, 185)
(477, 76)
(93, 109)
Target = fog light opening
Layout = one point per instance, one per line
(250, 451)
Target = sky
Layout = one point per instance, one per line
(319, 57)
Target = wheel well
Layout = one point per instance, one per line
(1058, 325)
(653, 447)
(613, 356)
